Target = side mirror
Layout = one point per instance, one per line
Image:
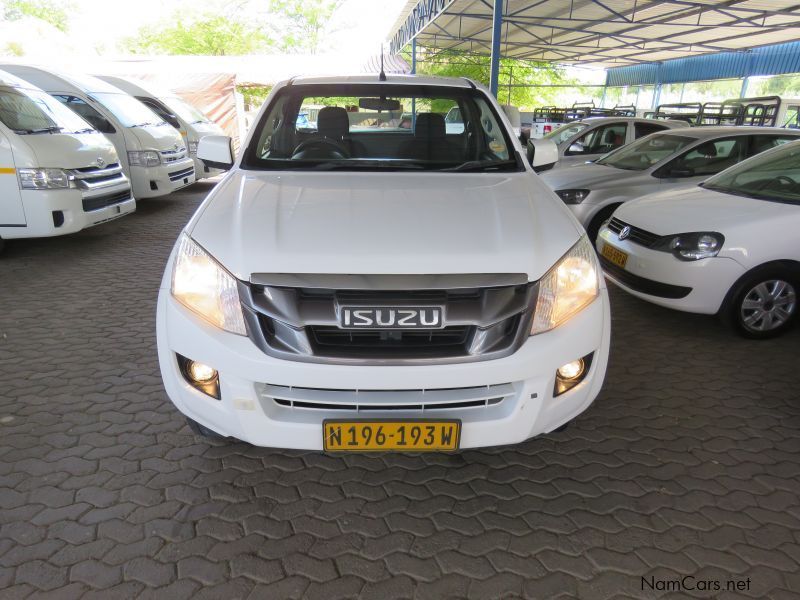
(542, 153)
(216, 151)
(576, 148)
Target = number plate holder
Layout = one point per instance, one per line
(391, 435)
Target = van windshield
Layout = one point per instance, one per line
(128, 110)
(28, 111)
(645, 152)
(380, 126)
(184, 110)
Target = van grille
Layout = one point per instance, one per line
(98, 202)
(170, 156)
(92, 178)
(183, 173)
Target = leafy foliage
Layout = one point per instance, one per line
(50, 11)
(301, 24)
(210, 35)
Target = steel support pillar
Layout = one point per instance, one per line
(414, 56)
(497, 27)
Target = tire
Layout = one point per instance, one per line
(202, 431)
(594, 226)
(763, 304)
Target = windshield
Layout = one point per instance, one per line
(380, 126)
(184, 110)
(773, 175)
(27, 111)
(561, 134)
(128, 110)
(645, 152)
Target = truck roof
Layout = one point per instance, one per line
(10, 80)
(135, 87)
(362, 78)
(53, 81)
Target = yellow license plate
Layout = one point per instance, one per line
(618, 257)
(385, 435)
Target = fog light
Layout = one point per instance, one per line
(571, 374)
(203, 373)
(571, 370)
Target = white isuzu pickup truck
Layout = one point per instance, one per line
(378, 287)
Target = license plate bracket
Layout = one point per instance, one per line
(391, 435)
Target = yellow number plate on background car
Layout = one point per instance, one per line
(414, 436)
(618, 257)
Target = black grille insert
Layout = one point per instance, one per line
(637, 236)
(176, 175)
(98, 202)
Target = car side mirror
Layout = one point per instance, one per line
(576, 148)
(216, 151)
(542, 153)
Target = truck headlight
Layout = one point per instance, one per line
(692, 246)
(571, 285)
(573, 196)
(43, 179)
(144, 158)
(204, 287)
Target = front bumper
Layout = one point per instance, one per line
(45, 209)
(244, 412)
(698, 286)
(150, 182)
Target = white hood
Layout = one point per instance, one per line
(699, 209)
(66, 151)
(152, 137)
(586, 175)
(386, 223)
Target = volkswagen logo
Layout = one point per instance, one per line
(624, 232)
(100, 162)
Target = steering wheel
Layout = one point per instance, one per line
(321, 148)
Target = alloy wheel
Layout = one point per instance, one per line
(768, 305)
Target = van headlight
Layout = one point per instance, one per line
(571, 285)
(144, 158)
(204, 287)
(43, 179)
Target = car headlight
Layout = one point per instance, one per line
(193, 148)
(692, 246)
(573, 196)
(571, 285)
(203, 286)
(43, 179)
(144, 158)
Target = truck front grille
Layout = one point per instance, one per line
(302, 323)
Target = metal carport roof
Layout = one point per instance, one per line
(607, 32)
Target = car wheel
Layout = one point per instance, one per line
(202, 430)
(594, 226)
(764, 304)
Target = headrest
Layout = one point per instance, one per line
(708, 149)
(332, 122)
(430, 125)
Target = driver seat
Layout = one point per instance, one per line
(333, 123)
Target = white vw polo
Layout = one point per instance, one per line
(729, 246)
(363, 286)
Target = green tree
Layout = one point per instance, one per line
(300, 24)
(210, 35)
(50, 11)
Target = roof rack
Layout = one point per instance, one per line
(761, 111)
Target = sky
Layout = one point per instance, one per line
(357, 26)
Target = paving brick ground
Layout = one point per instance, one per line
(687, 464)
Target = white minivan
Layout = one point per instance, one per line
(188, 120)
(57, 174)
(151, 151)
(376, 287)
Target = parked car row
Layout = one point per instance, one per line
(76, 151)
(702, 220)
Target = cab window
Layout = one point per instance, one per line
(89, 113)
(708, 158)
(599, 140)
(643, 129)
(759, 143)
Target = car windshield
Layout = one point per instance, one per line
(563, 133)
(645, 152)
(773, 175)
(28, 111)
(184, 110)
(380, 126)
(128, 110)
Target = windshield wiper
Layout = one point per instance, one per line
(483, 165)
(354, 164)
(53, 129)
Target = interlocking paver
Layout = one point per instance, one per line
(687, 463)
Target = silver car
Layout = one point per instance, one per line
(679, 158)
(582, 141)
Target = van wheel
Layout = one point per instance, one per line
(594, 227)
(763, 304)
(202, 430)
